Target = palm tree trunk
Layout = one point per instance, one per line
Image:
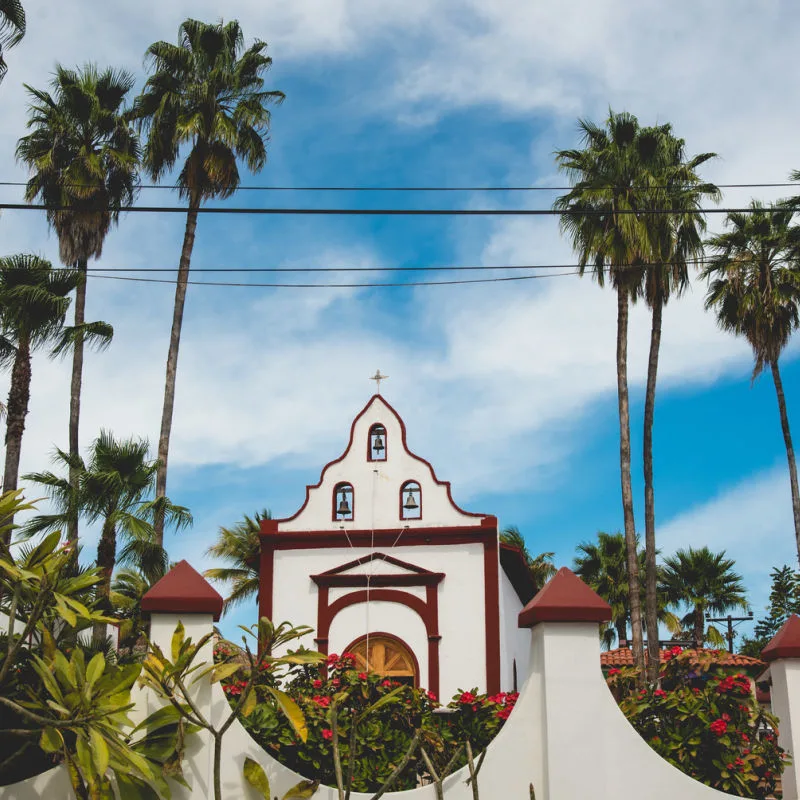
(651, 589)
(106, 560)
(699, 632)
(622, 631)
(172, 360)
(18, 397)
(787, 438)
(625, 479)
(75, 391)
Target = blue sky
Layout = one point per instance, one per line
(509, 388)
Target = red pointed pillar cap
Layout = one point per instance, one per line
(786, 642)
(565, 598)
(183, 590)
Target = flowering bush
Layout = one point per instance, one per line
(375, 717)
(705, 720)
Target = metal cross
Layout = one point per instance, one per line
(377, 377)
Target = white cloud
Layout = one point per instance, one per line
(751, 521)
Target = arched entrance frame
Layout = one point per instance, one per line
(382, 635)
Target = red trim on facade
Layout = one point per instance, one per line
(402, 510)
(385, 579)
(357, 562)
(491, 583)
(565, 598)
(383, 635)
(385, 443)
(373, 399)
(413, 537)
(427, 610)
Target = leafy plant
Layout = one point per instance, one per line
(705, 720)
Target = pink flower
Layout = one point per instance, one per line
(327, 733)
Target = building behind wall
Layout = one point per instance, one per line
(381, 562)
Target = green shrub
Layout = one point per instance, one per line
(704, 719)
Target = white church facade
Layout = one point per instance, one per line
(381, 562)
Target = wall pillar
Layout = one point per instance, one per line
(783, 653)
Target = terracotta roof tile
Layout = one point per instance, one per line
(623, 657)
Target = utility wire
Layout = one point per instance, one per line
(394, 212)
(418, 188)
(340, 285)
(426, 268)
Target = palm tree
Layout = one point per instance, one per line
(12, 28)
(707, 583)
(84, 158)
(33, 305)
(240, 546)
(754, 289)
(127, 590)
(541, 566)
(600, 215)
(207, 93)
(114, 488)
(676, 239)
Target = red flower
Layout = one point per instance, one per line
(467, 698)
(264, 666)
(497, 698)
(730, 766)
(512, 698)
(432, 697)
(362, 676)
(387, 683)
(659, 693)
(331, 659)
(503, 713)
(327, 733)
(336, 682)
(614, 671)
(718, 726)
(317, 684)
(321, 700)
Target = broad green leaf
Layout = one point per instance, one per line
(83, 754)
(383, 701)
(99, 751)
(48, 645)
(256, 777)
(168, 715)
(77, 607)
(250, 703)
(95, 669)
(224, 671)
(66, 614)
(134, 789)
(51, 740)
(177, 641)
(292, 712)
(307, 657)
(302, 791)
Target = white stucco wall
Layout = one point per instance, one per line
(514, 641)
(462, 660)
(376, 484)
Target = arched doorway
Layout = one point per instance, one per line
(386, 655)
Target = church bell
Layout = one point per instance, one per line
(378, 445)
(344, 507)
(411, 502)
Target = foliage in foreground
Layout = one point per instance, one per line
(374, 723)
(705, 720)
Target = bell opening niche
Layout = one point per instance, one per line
(343, 502)
(410, 500)
(376, 444)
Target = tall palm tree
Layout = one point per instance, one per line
(33, 305)
(127, 590)
(206, 93)
(115, 488)
(240, 546)
(84, 158)
(12, 28)
(754, 289)
(676, 242)
(541, 566)
(705, 582)
(601, 216)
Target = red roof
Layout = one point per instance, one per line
(623, 657)
(183, 590)
(565, 598)
(786, 642)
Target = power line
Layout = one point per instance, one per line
(266, 188)
(341, 285)
(393, 212)
(426, 268)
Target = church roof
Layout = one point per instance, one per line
(786, 642)
(623, 657)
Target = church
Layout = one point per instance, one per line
(383, 563)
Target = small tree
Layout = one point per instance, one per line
(784, 600)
